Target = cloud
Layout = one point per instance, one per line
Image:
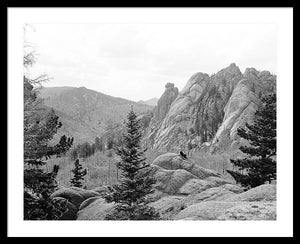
(135, 61)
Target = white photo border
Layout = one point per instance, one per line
(283, 226)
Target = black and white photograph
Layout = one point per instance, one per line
(150, 121)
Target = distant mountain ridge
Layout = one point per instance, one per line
(85, 113)
(150, 102)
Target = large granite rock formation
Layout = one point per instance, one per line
(159, 113)
(183, 191)
(208, 110)
(241, 107)
(165, 102)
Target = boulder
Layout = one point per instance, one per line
(169, 206)
(233, 188)
(194, 185)
(74, 195)
(101, 189)
(229, 210)
(97, 210)
(156, 195)
(218, 181)
(170, 181)
(251, 211)
(212, 194)
(205, 210)
(173, 161)
(265, 192)
(71, 213)
(87, 202)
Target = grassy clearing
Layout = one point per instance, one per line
(217, 162)
(102, 170)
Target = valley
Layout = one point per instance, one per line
(201, 120)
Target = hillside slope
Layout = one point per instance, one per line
(85, 113)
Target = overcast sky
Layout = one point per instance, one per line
(135, 61)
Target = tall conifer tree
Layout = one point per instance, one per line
(78, 174)
(40, 125)
(130, 195)
(260, 165)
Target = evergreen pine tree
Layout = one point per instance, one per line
(40, 126)
(130, 195)
(78, 174)
(260, 165)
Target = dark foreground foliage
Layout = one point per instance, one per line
(260, 165)
(130, 195)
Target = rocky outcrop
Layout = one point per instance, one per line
(209, 210)
(159, 112)
(241, 107)
(71, 211)
(250, 211)
(87, 202)
(230, 202)
(172, 172)
(73, 197)
(165, 101)
(197, 111)
(170, 181)
(207, 112)
(169, 206)
(266, 192)
(220, 210)
(207, 195)
(173, 161)
(97, 210)
(184, 191)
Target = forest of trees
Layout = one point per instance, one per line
(110, 139)
(40, 125)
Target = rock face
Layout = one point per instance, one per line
(165, 101)
(160, 111)
(209, 109)
(241, 107)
